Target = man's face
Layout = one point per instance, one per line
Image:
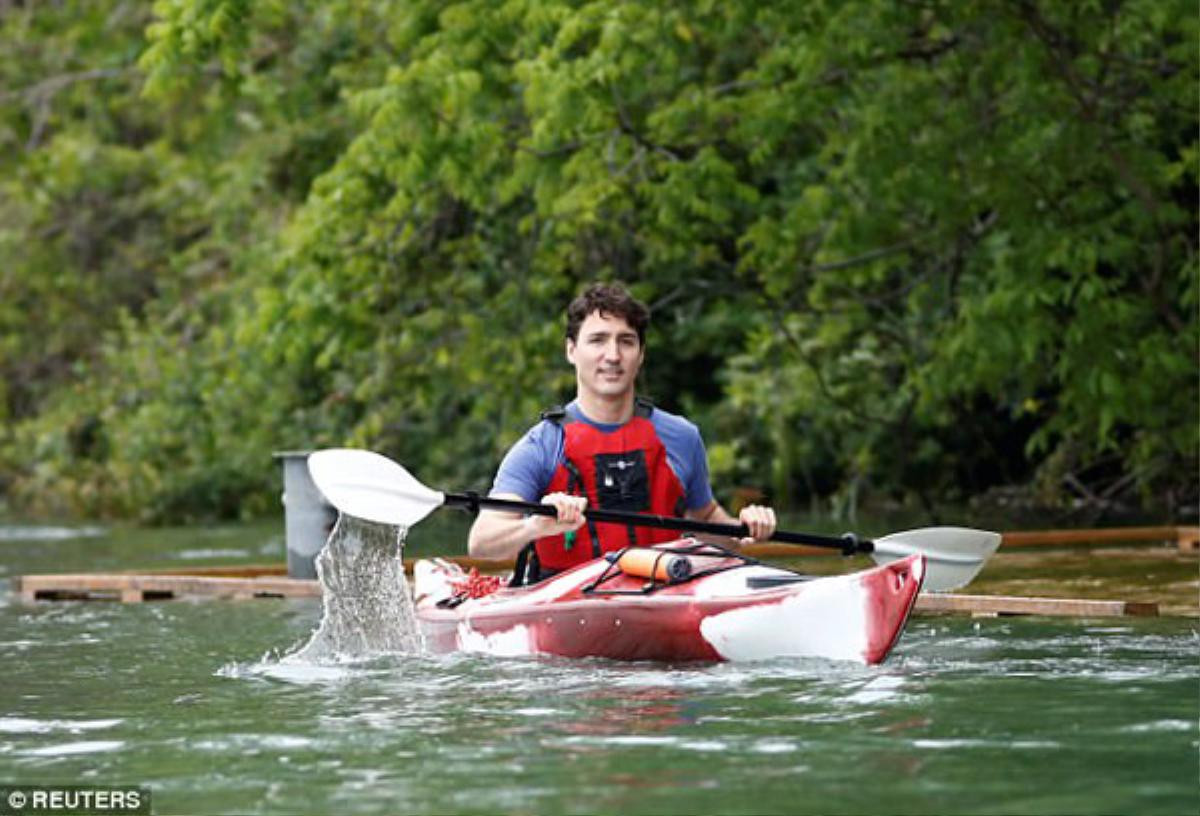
(607, 355)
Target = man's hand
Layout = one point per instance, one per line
(760, 520)
(570, 515)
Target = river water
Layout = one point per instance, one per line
(195, 701)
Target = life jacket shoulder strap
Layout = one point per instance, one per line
(556, 414)
(642, 407)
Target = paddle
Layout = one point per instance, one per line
(370, 486)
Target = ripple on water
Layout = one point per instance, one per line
(74, 748)
(1001, 744)
(250, 742)
(1163, 726)
(775, 746)
(637, 740)
(887, 688)
(704, 745)
(25, 725)
(287, 671)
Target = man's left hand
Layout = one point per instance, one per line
(760, 520)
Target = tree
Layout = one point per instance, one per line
(908, 249)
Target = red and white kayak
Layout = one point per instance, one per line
(717, 606)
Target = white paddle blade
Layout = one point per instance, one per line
(953, 555)
(372, 487)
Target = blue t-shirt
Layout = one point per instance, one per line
(529, 465)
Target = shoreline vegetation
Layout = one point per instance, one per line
(898, 255)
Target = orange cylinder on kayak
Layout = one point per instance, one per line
(645, 562)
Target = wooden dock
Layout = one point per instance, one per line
(136, 587)
(1186, 539)
(271, 581)
(990, 606)
(245, 583)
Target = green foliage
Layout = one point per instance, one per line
(908, 250)
(994, 226)
(132, 231)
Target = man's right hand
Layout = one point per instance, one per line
(570, 515)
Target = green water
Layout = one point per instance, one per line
(1014, 715)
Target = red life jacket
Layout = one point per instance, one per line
(625, 469)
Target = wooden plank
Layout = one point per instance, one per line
(1109, 535)
(204, 586)
(27, 594)
(132, 587)
(1013, 605)
(1189, 539)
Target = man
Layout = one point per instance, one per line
(607, 448)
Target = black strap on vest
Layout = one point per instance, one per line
(525, 571)
(555, 413)
(575, 488)
(642, 407)
(529, 570)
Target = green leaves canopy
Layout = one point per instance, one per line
(909, 249)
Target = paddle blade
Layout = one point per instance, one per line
(370, 486)
(953, 555)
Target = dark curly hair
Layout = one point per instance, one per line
(610, 300)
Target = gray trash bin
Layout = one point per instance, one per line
(308, 517)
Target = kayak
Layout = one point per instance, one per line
(678, 602)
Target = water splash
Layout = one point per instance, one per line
(367, 605)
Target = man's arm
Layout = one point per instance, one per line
(685, 451)
(523, 476)
(760, 520)
(497, 535)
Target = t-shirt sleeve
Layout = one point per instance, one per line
(529, 465)
(687, 457)
(698, 486)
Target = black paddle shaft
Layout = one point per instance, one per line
(849, 544)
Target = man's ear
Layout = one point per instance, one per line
(570, 351)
